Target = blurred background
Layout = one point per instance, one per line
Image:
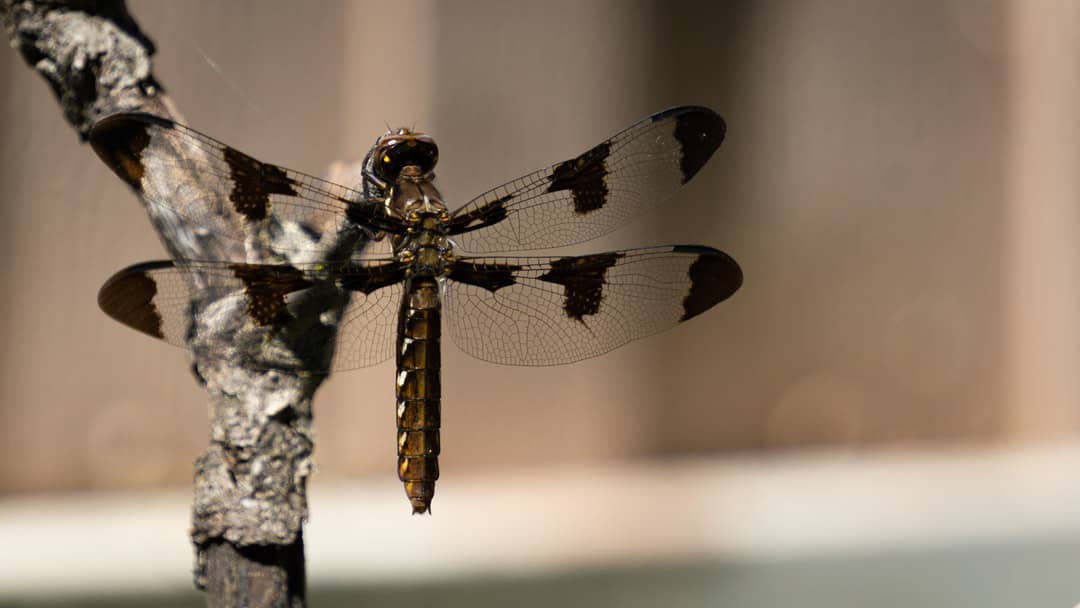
(885, 414)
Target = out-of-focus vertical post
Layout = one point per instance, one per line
(400, 34)
(1043, 220)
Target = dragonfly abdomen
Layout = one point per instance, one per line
(418, 391)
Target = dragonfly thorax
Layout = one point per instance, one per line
(414, 194)
(425, 246)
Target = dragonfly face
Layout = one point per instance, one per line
(395, 151)
(505, 307)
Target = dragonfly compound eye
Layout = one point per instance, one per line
(398, 151)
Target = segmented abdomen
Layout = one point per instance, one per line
(418, 397)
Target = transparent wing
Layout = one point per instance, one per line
(163, 300)
(596, 192)
(368, 328)
(150, 152)
(550, 311)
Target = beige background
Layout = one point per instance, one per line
(898, 183)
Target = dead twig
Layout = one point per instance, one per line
(250, 485)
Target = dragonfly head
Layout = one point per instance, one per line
(396, 150)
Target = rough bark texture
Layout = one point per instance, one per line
(92, 54)
(250, 495)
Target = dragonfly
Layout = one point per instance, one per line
(408, 267)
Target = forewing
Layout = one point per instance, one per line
(162, 300)
(223, 190)
(596, 192)
(550, 311)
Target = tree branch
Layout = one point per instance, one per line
(92, 54)
(250, 485)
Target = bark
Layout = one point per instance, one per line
(250, 485)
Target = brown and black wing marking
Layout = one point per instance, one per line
(163, 300)
(596, 192)
(556, 310)
(146, 151)
(150, 297)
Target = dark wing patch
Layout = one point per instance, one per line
(157, 299)
(366, 278)
(584, 178)
(700, 134)
(130, 298)
(252, 184)
(713, 278)
(596, 192)
(149, 153)
(561, 310)
(583, 280)
(490, 275)
(490, 212)
(265, 287)
(120, 144)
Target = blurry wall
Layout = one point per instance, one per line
(868, 187)
(1043, 218)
